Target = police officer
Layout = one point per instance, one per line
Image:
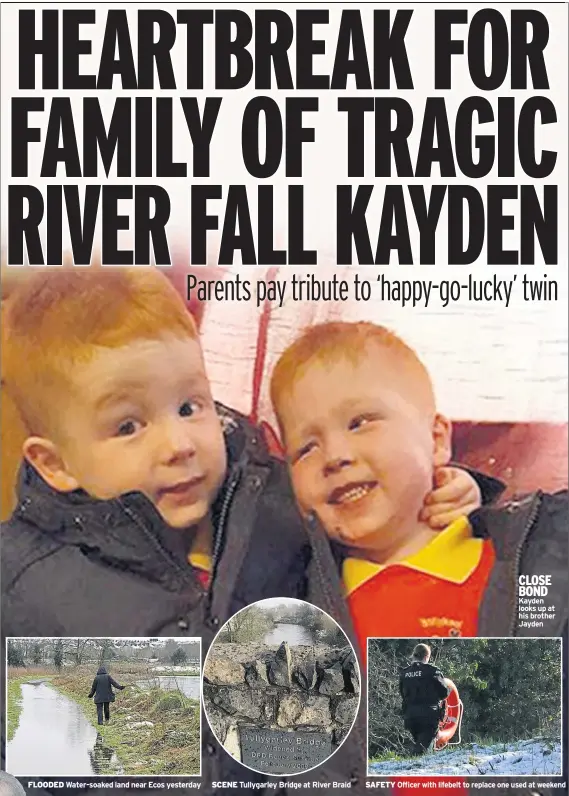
(422, 689)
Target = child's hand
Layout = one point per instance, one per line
(456, 494)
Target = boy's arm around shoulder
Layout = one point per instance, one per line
(490, 488)
(557, 505)
(542, 518)
(547, 550)
(551, 518)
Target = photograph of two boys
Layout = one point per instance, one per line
(166, 463)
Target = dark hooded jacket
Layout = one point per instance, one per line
(530, 537)
(102, 688)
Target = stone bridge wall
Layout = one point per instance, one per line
(308, 689)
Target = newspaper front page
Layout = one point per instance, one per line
(284, 397)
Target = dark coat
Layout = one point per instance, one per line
(102, 687)
(75, 566)
(422, 687)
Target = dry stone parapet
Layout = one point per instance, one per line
(301, 688)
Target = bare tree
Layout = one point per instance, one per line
(251, 624)
(386, 731)
(76, 649)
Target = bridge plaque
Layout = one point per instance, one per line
(279, 752)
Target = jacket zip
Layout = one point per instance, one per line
(219, 531)
(220, 527)
(228, 497)
(182, 571)
(517, 560)
(185, 573)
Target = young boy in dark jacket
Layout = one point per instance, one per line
(143, 508)
(358, 419)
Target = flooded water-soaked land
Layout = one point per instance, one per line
(189, 686)
(74, 707)
(154, 725)
(64, 742)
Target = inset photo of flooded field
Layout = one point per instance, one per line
(103, 706)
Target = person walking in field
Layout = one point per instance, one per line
(422, 687)
(102, 690)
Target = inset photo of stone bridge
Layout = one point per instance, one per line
(281, 686)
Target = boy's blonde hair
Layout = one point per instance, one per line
(55, 318)
(327, 343)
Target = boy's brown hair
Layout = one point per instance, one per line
(57, 317)
(326, 343)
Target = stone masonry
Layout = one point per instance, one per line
(308, 689)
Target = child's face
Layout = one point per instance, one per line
(141, 418)
(361, 451)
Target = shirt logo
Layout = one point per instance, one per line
(453, 627)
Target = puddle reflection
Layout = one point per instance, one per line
(54, 737)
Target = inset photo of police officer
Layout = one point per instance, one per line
(465, 707)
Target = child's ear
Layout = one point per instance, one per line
(442, 440)
(44, 456)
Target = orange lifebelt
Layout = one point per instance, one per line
(452, 718)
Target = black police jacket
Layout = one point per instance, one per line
(74, 566)
(422, 687)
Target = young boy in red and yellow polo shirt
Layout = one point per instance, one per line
(364, 439)
(365, 443)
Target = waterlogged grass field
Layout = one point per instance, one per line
(152, 731)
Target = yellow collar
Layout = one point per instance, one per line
(200, 560)
(452, 555)
(200, 553)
